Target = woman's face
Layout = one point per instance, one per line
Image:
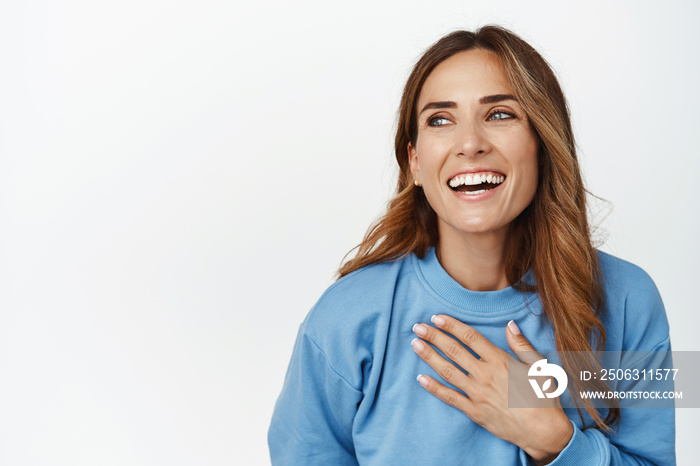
(475, 154)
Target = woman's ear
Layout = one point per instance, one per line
(413, 162)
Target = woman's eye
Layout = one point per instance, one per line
(438, 121)
(500, 115)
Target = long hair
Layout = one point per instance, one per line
(551, 237)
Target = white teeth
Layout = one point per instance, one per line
(470, 180)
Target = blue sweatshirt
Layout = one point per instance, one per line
(351, 397)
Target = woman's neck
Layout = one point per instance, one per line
(476, 261)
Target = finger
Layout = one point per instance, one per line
(444, 368)
(467, 335)
(446, 395)
(448, 345)
(520, 345)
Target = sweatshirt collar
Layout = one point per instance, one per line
(448, 289)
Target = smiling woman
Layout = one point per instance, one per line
(487, 238)
(475, 155)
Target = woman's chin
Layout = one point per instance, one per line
(471, 227)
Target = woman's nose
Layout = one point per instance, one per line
(471, 140)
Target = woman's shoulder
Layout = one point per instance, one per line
(360, 300)
(622, 276)
(365, 285)
(349, 323)
(633, 304)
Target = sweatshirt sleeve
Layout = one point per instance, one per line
(645, 436)
(312, 420)
(593, 448)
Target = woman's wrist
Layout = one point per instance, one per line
(547, 451)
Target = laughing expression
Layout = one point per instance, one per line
(476, 152)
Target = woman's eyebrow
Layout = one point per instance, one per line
(443, 104)
(487, 99)
(492, 99)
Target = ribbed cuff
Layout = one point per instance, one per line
(582, 450)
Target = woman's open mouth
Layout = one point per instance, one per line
(475, 183)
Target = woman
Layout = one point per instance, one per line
(488, 235)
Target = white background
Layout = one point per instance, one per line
(179, 181)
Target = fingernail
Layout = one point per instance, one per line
(419, 329)
(437, 320)
(513, 328)
(423, 380)
(417, 344)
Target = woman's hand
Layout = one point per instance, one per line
(541, 432)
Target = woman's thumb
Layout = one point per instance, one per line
(520, 345)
